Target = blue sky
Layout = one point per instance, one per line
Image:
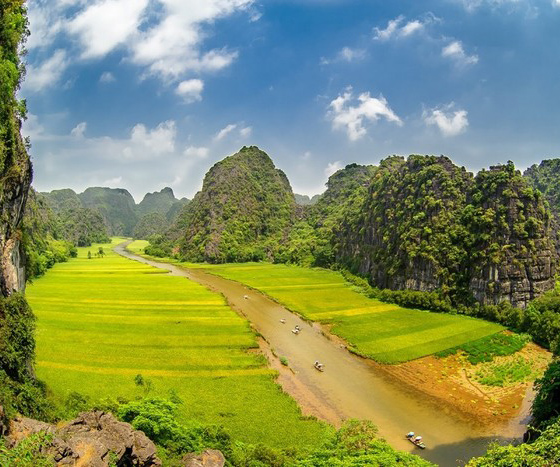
(142, 94)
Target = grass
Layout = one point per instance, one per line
(384, 332)
(485, 349)
(502, 374)
(103, 321)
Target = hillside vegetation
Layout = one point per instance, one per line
(243, 212)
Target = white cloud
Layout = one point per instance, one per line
(190, 90)
(306, 155)
(394, 30)
(450, 122)
(556, 3)
(351, 118)
(160, 140)
(172, 47)
(165, 36)
(107, 77)
(246, 132)
(455, 52)
(113, 182)
(346, 54)
(332, 167)
(79, 130)
(224, 132)
(47, 73)
(196, 152)
(106, 24)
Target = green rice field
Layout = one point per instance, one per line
(104, 320)
(384, 332)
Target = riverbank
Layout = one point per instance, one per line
(351, 386)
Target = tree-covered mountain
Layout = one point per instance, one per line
(429, 225)
(243, 212)
(545, 177)
(158, 201)
(116, 205)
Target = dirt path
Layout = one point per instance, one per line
(351, 387)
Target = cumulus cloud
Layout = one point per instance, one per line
(190, 90)
(165, 37)
(455, 52)
(196, 152)
(556, 3)
(160, 140)
(107, 77)
(332, 167)
(106, 24)
(173, 45)
(449, 121)
(46, 73)
(79, 130)
(350, 114)
(398, 29)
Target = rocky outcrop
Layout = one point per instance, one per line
(428, 225)
(516, 257)
(208, 458)
(94, 439)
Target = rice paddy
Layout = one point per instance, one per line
(104, 320)
(384, 332)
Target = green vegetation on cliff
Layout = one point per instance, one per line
(243, 212)
(428, 225)
(116, 205)
(545, 177)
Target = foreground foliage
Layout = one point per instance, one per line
(544, 452)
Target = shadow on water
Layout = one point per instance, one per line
(447, 455)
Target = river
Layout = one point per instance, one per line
(350, 386)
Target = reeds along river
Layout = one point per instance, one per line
(352, 387)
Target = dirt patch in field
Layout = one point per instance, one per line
(452, 381)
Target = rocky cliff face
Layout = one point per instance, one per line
(246, 206)
(427, 224)
(15, 167)
(515, 257)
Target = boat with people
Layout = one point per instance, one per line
(416, 440)
(319, 366)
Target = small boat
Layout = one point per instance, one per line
(295, 331)
(246, 297)
(283, 321)
(319, 366)
(416, 440)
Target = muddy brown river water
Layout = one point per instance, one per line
(352, 387)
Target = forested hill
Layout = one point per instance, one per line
(116, 209)
(418, 223)
(546, 178)
(243, 212)
(427, 224)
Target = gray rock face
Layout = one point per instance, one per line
(13, 196)
(208, 458)
(94, 439)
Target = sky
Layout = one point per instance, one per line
(143, 94)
